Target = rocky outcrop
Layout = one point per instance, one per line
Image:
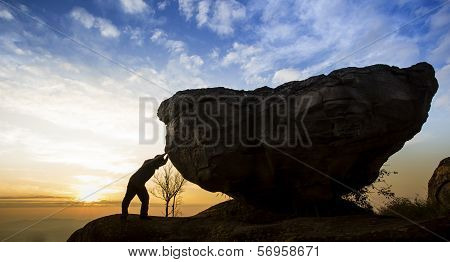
(304, 142)
(439, 185)
(231, 222)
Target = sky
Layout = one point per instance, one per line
(72, 73)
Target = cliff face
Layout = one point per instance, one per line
(439, 185)
(231, 221)
(272, 147)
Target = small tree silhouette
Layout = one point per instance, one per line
(178, 183)
(169, 185)
(361, 196)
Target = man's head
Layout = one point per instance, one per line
(160, 160)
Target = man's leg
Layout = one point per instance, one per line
(129, 195)
(144, 197)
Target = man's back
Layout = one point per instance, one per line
(144, 173)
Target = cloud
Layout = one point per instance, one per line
(106, 28)
(440, 18)
(82, 16)
(136, 35)
(134, 6)
(163, 4)
(6, 15)
(158, 35)
(73, 104)
(215, 53)
(218, 15)
(249, 58)
(203, 10)
(442, 99)
(192, 62)
(23, 7)
(9, 42)
(187, 8)
(224, 15)
(93, 103)
(180, 62)
(440, 54)
(286, 75)
(295, 34)
(174, 46)
(239, 53)
(57, 111)
(86, 152)
(443, 77)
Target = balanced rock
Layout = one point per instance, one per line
(439, 185)
(304, 142)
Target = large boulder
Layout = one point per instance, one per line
(304, 142)
(439, 185)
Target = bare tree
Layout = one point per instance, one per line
(168, 186)
(177, 190)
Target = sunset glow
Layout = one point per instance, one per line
(70, 115)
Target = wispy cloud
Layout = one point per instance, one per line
(6, 14)
(106, 28)
(442, 99)
(440, 53)
(294, 34)
(134, 6)
(137, 36)
(174, 46)
(9, 43)
(180, 56)
(187, 7)
(218, 15)
(441, 18)
(73, 114)
(163, 4)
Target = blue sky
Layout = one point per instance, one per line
(253, 42)
(66, 107)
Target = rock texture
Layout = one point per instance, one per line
(333, 130)
(230, 222)
(439, 185)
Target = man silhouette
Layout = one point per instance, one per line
(136, 185)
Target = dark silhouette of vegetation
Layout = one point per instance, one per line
(169, 185)
(178, 183)
(379, 187)
(396, 206)
(413, 209)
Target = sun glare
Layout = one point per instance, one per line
(86, 194)
(86, 190)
